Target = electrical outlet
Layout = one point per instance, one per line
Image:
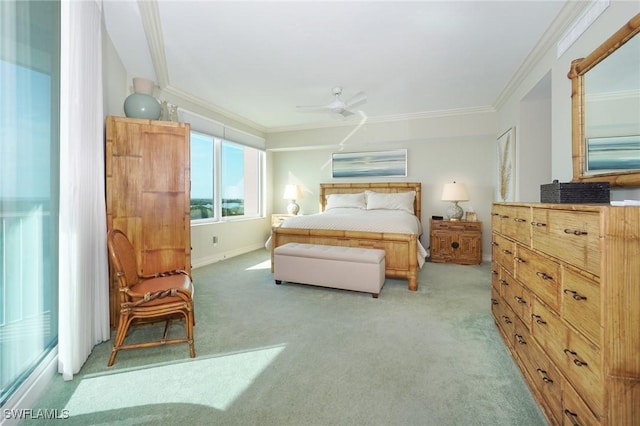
(215, 240)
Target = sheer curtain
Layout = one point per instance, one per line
(83, 275)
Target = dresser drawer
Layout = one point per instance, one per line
(516, 296)
(540, 274)
(571, 236)
(581, 304)
(505, 318)
(549, 331)
(583, 367)
(503, 251)
(545, 378)
(495, 274)
(574, 410)
(516, 223)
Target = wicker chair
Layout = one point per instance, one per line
(147, 299)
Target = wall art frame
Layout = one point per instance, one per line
(506, 170)
(390, 163)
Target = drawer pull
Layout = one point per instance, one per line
(575, 232)
(504, 282)
(505, 251)
(493, 243)
(495, 214)
(573, 417)
(520, 300)
(519, 219)
(538, 319)
(577, 361)
(538, 224)
(506, 319)
(520, 339)
(520, 260)
(545, 378)
(544, 276)
(494, 301)
(494, 272)
(575, 294)
(504, 217)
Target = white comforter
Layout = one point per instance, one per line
(350, 219)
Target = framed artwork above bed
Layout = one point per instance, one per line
(391, 163)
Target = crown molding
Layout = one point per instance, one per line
(184, 96)
(565, 19)
(150, 16)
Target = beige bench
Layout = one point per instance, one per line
(346, 268)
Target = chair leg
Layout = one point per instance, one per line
(121, 333)
(189, 323)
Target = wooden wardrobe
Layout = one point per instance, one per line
(148, 194)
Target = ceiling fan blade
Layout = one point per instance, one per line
(357, 99)
(345, 113)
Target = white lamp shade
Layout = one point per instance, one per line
(292, 192)
(454, 192)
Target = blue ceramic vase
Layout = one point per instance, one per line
(140, 105)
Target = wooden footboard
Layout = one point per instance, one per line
(401, 250)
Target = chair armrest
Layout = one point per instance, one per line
(166, 274)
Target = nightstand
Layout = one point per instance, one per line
(277, 219)
(456, 242)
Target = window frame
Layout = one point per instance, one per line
(218, 185)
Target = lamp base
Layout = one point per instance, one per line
(454, 212)
(293, 208)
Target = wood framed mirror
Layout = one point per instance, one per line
(605, 110)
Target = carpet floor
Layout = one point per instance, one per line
(301, 355)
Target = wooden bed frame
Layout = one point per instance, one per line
(401, 250)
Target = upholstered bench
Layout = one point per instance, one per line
(346, 268)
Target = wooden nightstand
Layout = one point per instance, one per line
(277, 219)
(456, 242)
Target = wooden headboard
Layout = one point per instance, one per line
(351, 188)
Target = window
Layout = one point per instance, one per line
(226, 179)
(202, 196)
(29, 117)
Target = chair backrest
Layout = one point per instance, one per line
(123, 257)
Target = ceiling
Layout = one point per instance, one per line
(255, 61)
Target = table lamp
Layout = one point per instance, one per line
(292, 193)
(454, 192)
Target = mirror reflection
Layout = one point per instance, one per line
(612, 112)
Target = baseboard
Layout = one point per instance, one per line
(198, 263)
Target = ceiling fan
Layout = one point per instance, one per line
(339, 106)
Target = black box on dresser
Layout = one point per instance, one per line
(575, 192)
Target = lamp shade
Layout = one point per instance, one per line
(292, 192)
(454, 192)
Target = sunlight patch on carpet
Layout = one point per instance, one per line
(213, 381)
(262, 265)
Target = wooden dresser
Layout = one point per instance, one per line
(456, 242)
(566, 300)
(148, 194)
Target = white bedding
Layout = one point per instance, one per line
(352, 219)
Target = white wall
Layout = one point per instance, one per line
(439, 150)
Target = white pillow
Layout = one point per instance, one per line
(391, 201)
(346, 200)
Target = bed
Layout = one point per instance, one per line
(404, 254)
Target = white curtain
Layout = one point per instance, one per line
(83, 274)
